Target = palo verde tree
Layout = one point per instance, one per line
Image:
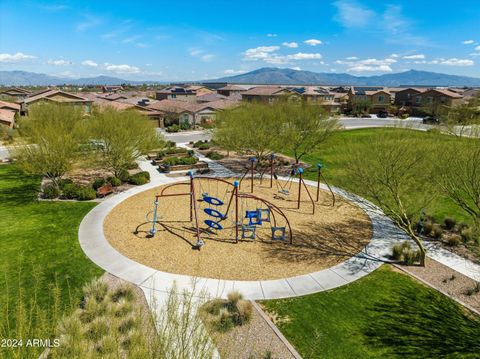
(304, 127)
(250, 127)
(458, 176)
(122, 137)
(53, 137)
(394, 172)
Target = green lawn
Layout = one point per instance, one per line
(40, 258)
(332, 156)
(383, 315)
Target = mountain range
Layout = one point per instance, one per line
(263, 76)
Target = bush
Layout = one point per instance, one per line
(123, 175)
(411, 256)
(203, 171)
(173, 161)
(138, 179)
(63, 182)
(214, 155)
(453, 240)
(204, 146)
(198, 143)
(449, 223)
(51, 192)
(467, 234)
(404, 252)
(171, 144)
(114, 181)
(404, 116)
(131, 166)
(85, 193)
(427, 227)
(244, 310)
(233, 298)
(70, 191)
(172, 128)
(185, 125)
(98, 182)
(437, 231)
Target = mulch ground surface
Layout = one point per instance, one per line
(330, 236)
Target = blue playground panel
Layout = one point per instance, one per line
(253, 218)
(213, 224)
(248, 231)
(213, 212)
(213, 201)
(278, 233)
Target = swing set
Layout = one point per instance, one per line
(218, 217)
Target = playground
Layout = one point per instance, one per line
(238, 229)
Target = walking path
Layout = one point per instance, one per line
(97, 248)
(156, 284)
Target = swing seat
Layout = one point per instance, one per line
(253, 218)
(263, 215)
(284, 191)
(248, 231)
(278, 233)
(213, 224)
(213, 213)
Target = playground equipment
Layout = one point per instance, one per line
(218, 216)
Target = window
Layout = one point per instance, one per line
(174, 96)
(418, 99)
(381, 98)
(429, 99)
(443, 99)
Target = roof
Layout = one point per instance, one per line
(210, 97)
(371, 93)
(51, 93)
(16, 89)
(220, 104)
(231, 88)
(114, 96)
(445, 92)
(176, 90)
(142, 101)
(415, 89)
(173, 106)
(363, 89)
(7, 116)
(194, 87)
(264, 90)
(10, 105)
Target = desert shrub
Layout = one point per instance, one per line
(123, 175)
(51, 192)
(224, 322)
(467, 234)
(437, 231)
(204, 146)
(146, 174)
(449, 223)
(138, 179)
(185, 125)
(198, 143)
(473, 290)
(244, 311)
(403, 252)
(173, 161)
(233, 298)
(69, 191)
(397, 251)
(123, 292)
(427, 227)
(202, 171)
(214, 155)
(63, 182)
(453, 240)
(98, 182)
(114, 181)
(85, 193)
(410, 256)
(172, 128)
(171, 143)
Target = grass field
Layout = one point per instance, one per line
(332, 155)
(41, 262)
(383, 315)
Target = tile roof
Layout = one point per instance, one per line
(220, 104)
(9, 105)
(232, 88)
(210, 97)
(50, 93)
(7, 116)
(264, 90)
(173, 106)
(445, 92)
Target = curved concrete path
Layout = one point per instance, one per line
(152, 281)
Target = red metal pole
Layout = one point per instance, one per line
(318, 185)
(300, 171)
(191, 198)
(194, 206)
(271, 172)
(236, 211)
(251, 181)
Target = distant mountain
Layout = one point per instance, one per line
(23, 78)
(272, 75)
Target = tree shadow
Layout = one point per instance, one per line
(408, 329)
(24, 190)
(315, 241)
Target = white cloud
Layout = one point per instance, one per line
(233, 72)
(207, 57)
(351, 58)
(368, 65)
(260, 52)
(122, 69)
(477, 48)
(272, 35)
(89, 22)
(59, 62)
(200, 53)
(19, 56)
(467, 42)
(291, 45)
(394, 56)
(351, 14)
(304, 56)
(89, 63)
(414, 57)
(457, 62)
(313, 42)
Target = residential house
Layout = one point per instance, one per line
(176, 93)
(210, 97)
(231, 90)
(409, 97)
(432, 100)
(374, 99)
(58, 97)
(16, 92)
(7, 117)
(199, 90)
(111, 89)
(9, 106)
(268, 94)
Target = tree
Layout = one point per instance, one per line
(394, 172)
(53, 137)
(304, 127)
(463, 117)
(458, 175)
(250, 127)
(360, 105)
(123, 136)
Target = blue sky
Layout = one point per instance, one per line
(194, 40)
